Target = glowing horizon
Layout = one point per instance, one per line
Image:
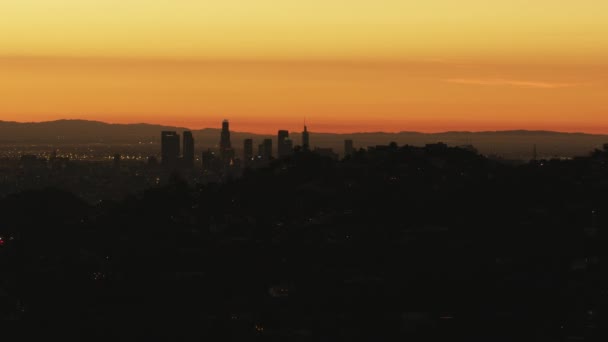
(323, 129)
(344, 66)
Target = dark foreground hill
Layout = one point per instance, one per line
(399, 244)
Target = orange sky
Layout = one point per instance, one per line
(357, 65)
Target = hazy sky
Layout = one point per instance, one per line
(344, 65)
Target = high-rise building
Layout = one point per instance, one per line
(225, 137)
(226, 151)
(288, 147)
(267, 152)
(281, 146)
(248, 151)
(188, 157)
(305, 139)
(169, 148)
(210, 161)
(348, 147)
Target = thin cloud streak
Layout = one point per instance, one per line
(512, 83)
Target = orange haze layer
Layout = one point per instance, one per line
(338, 96)
(343, 65)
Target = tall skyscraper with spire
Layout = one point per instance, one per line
(305, 139)
(226, 151)
(225, 137)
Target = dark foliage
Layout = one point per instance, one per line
(390, 244)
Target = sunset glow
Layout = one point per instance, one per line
(343, 66)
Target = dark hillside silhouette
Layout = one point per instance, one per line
(423, 243)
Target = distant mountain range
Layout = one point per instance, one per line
(518, 144)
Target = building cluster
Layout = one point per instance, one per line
(225, 160)
(171, 155)
(109, 174)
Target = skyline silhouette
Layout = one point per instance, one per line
(72, 136)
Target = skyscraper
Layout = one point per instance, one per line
(248, 151)
(267, 152)
(348, 147)
(188, 157)
(226, 151)
(225, 137)
(288, 147)
(210, 162)
(305, 139)
(169, 148)
(282, 148)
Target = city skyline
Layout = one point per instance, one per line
(172, 157)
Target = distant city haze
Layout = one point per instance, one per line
(343, 66)
(145, 138)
